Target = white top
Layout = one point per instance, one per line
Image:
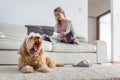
(69, 28)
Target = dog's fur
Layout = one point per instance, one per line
(32, 56)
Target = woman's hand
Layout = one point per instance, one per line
(63, 33)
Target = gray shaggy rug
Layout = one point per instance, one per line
(96, 72)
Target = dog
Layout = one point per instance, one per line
(32, 56)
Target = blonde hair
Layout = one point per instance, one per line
(59, 9)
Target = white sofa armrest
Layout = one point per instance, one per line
(101, 47)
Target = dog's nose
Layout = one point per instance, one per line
(37, 39)
(37, 42)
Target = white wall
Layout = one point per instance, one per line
(40, 12)
(91, 29)
(116, 30)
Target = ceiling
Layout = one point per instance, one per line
(97, 7)
(95, 2)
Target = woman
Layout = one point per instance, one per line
(64, 30)
(64, 27)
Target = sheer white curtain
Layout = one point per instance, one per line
(105, 32)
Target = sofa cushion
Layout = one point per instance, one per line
(10, 43)
(83, 47)
(13, 30)
(47, 46)
(2, 35)
(16, 43)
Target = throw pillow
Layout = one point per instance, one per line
(48, 30)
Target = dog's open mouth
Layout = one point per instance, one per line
(35, 47)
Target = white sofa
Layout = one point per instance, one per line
(95, 51)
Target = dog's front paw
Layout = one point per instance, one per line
(27, 69)
(44, 69)
(52, 66)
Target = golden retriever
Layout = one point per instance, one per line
(32, 56)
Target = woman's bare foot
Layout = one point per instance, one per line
(76, 42)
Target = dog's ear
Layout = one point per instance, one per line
(23, 48)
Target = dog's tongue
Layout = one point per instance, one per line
(35, 48)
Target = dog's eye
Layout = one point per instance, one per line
(30, 37)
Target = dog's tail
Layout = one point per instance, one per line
(60, 65)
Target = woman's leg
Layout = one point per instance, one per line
(68, 38)
(71, 39)
(46, 38)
